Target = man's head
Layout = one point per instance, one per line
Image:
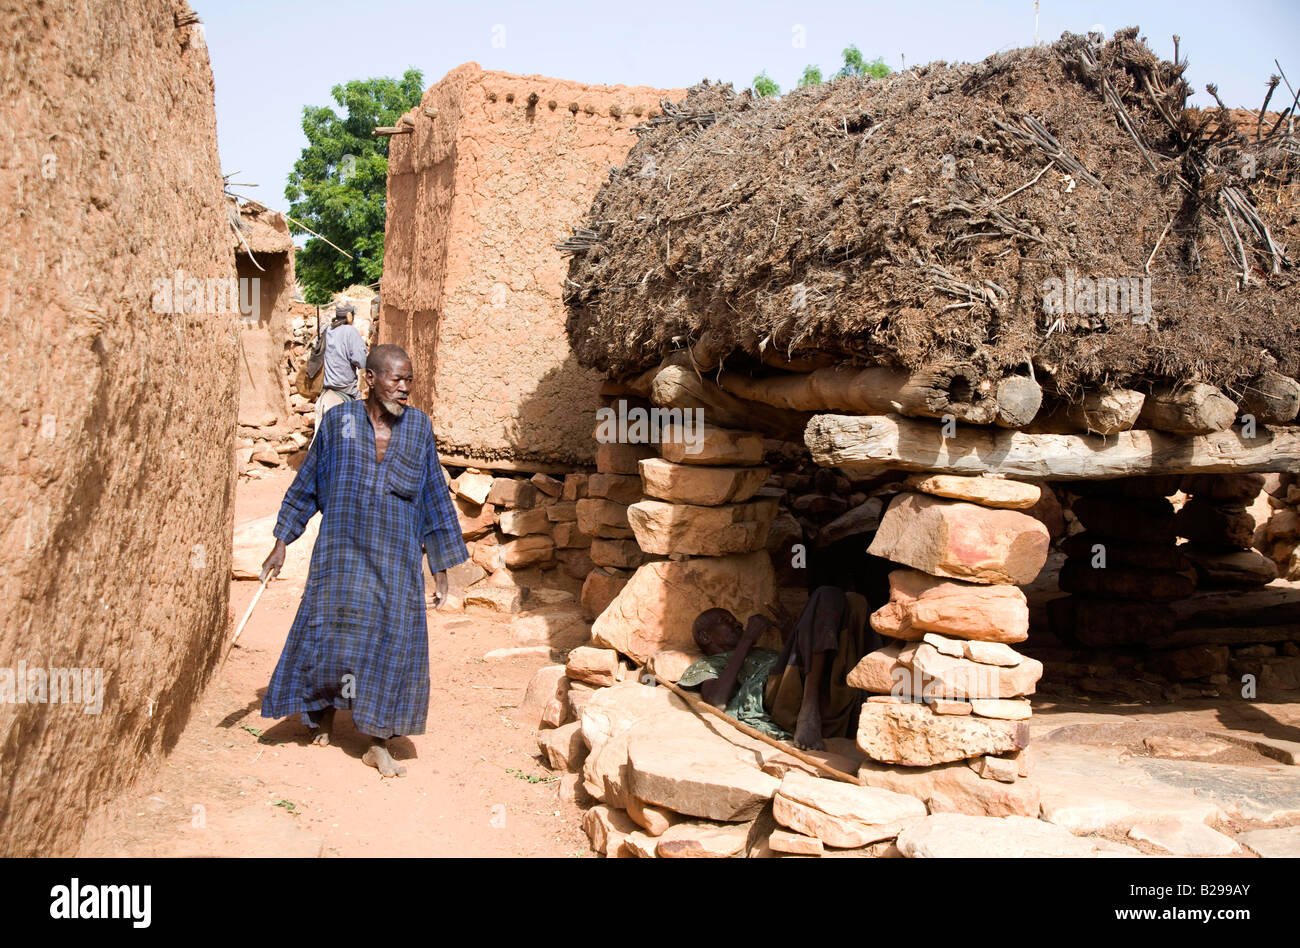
(388, 376)
(716, 631)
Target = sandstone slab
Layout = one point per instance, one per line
(603, 518)
(954, 835)
(474, 487)
(697, 484)
(1281, 843)
(607, 828)
(921, 603)
(985, 491)
(563, 747)
(519, 523)
(954, 788)
(1183, 838)
(697, 840)
(712, 446)
(619, 554)
(663, 528)
(913, 735)
(595, 666)
(960, 540)
(840, 814)
(697, 768)
(784, 841)
(658, 606)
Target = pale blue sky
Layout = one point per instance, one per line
(272, 57)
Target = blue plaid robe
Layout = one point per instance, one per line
(361, 639)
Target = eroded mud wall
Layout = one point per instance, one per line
(117, 415)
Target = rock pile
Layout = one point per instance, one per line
(946, 718)
(661, 782)
(675, 534)
(1221, 531)
(526, 551)
(1278, 537)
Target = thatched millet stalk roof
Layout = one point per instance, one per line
(917, 220)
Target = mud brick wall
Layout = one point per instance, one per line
(497, 170)
(117, 425)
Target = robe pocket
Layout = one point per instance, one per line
(405, 477)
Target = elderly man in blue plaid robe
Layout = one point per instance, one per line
(360, 639)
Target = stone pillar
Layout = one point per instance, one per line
(946, 719)
(692, 522)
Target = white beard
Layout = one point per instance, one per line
(393, 408)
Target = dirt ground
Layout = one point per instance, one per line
(474, 787)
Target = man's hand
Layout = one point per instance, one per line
(439, 589)
(271, 567)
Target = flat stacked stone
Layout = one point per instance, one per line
(949, 688)
(1125, 569)
(695, 539)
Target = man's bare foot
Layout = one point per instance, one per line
(808, 730)
(321, 738)
(377, 756)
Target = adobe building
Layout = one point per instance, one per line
(263, 253)
(485, 177)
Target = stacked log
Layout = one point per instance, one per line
(1221, 531)
(948, 701)
(1125, 567)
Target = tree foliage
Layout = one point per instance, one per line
(812, 76)
(764, 86)
(854, 65)
(338, 184)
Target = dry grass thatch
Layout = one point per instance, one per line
(918, 219)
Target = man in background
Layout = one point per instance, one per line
(345, 354)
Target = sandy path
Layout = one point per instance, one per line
(214, 794)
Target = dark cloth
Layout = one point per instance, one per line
(360, 638)
(833, 621)
(746, 705)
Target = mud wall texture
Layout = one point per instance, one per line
(263, 390)
(117, 420)
(497, 170)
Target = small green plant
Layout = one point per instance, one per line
(287, 805)
(531, 778)
(259, 734)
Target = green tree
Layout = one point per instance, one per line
(855, 66)
(764, 87)
(338, 184)
(812, 76)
